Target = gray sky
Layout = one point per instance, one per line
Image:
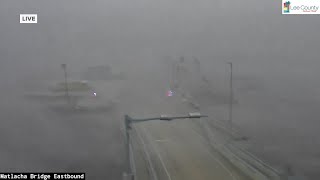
(253, 34)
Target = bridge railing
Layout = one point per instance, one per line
(251, 165)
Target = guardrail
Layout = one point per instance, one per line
(244, 154)
(132, 163)
(252, 166)
(132, 175)
(243, 159)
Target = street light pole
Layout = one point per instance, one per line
(128, 121)
(128, 126)
(231, 96)
(64, 67)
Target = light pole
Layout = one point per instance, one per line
(231, 96)
(64, 67)
(128, 126)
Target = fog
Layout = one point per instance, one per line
(279, 52)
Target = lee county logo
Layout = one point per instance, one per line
(298, 7)
(286, 7)
(28, 18)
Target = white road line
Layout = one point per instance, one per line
(157, 152)
(148, 156)
(212, 156)
(162, 140)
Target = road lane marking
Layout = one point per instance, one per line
(162, 140)
(148, 155)
(214, 158)
(157, 152)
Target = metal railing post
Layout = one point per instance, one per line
(128, 175)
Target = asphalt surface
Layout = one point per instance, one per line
(181, 154)
(171, 150)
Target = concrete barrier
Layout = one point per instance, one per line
(241, 158)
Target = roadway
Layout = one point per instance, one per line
(174, 150)
(179, 152)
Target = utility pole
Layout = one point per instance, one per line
(231, 96)
(64, 67)
(128, 127)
